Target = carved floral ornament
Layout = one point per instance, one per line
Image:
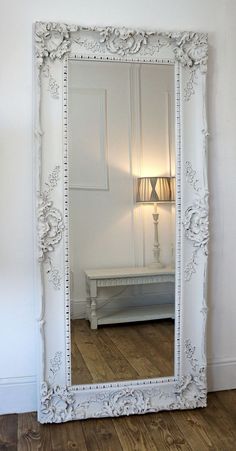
(50, 224)
(50, 227)
(54, 40)
(50, 219)
(196, 221)
(61, 404)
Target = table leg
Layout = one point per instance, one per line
(93, 317)
(93, 305)
(87, 299)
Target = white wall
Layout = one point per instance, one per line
(17, 316)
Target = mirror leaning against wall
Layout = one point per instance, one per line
(122, 211)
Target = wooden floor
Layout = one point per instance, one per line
(122, 351)
(212, 428)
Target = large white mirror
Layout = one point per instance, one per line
(122, 211)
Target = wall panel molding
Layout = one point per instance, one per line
(98, 166)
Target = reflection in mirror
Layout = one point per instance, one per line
(122, 220)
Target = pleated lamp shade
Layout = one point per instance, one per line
(155, 189)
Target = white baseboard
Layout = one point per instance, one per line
(18, 395)
(221, 375)
(78, 309)
(78, 306)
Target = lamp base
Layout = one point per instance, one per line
(156, 265)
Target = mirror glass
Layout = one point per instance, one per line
(122, 220)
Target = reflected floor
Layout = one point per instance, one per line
(121, 352)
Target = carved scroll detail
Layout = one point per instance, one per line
(50, 227)
(192, 391)
(60, 403)
(54, 40)
(57, 404)
(196, 222)
(55, 365)
(122, 40)
(53, 86)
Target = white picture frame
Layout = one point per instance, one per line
(54, 45)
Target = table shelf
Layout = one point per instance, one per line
(101, 278)
(135, 314)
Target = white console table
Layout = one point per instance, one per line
(97, 278)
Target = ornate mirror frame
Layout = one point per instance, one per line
(54, 45)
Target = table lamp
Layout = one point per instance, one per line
(154, 190)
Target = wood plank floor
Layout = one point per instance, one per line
(121, 352)
(212, 428)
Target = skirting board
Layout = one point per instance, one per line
(78, 307)
(221, 375)
(18, 395)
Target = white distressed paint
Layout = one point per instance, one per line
(188, 387)
(17, 319)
